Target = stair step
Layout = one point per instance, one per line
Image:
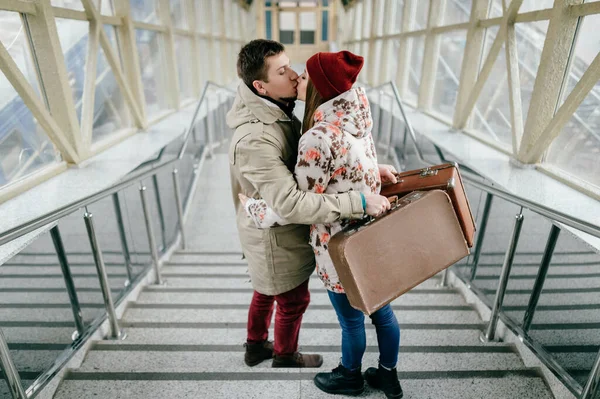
(48, 335)
(311, 316)
(566, 337)
(543, 316)
(233, 362)
(555, 271)
(34, 360)
(535, 258)
(33, 270)
(457, 385)
(314, 336)
(235, 281)
(90, 281)
(51, 297)
(182, 258)
(448, 298)
(562, 283)
(554, 299)
(52, 315)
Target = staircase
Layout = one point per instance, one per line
(185, 339)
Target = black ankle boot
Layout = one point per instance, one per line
(386, 380)
(341, 381)
(256, 353)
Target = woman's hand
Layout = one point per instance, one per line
(243, 199)
(388, 174)
(376, 204)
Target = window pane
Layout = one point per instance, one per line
(183, 48)
(151, 55)
(496, 9)
(577, 149)
(586, 48)
(491, 115)
(325, 26)
(107, 7)
(530, 42)
(110, 111)
(415, 66)
(287, 27)
(178, 14)
(532, 5)
(422, 14)
(269, 25)
(452, 50)
(308, 26)
(398, 8)
(73, 36)
(490, 36)
(457, 11)
(71, 4)
(24, 146)
(145, 11)
(14, 38)
(201, 17)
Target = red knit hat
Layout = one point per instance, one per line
(333, 73)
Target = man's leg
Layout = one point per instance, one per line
(258, 348)
(291, 306)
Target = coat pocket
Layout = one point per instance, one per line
(290, 251)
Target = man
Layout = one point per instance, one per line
(262, 156)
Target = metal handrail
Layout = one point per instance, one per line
(82, 334)
(568, 220)
(27, 227)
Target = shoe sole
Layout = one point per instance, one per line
(348, 392)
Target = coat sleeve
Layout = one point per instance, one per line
(313, 167)
(259, 157)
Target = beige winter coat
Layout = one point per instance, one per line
(262, 157)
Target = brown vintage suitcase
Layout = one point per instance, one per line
(381, 259)
(439, 177)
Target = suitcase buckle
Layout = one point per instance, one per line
(428, 172)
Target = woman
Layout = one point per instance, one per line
(336, 154)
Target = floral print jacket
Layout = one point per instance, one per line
(335, 156)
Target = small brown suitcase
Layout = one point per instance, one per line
(440, 177)
(381, 259)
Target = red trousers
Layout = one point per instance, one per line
(291, 306)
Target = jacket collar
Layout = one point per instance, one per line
(264, 112)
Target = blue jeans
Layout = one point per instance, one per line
(354, 339)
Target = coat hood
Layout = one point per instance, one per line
(350, 111)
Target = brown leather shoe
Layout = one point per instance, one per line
(298, 360)
(256, 353)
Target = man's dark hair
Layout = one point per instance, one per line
(251, 63)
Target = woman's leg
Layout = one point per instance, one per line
(385, 376)
(388, 336)
(352, 321)
(346, 379)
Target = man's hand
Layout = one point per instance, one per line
(376, 204)
(388, 174)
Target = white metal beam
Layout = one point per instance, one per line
(431, 54)
(13, 74)
(549, 77)
(514, 88)
(508, 18)
(587, 82)
(472, 54)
